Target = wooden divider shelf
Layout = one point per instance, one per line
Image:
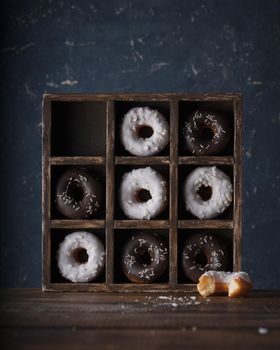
(82, 130)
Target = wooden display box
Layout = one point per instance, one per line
(83, 130)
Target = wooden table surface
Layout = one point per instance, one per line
(30, 319)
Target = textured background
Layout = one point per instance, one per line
(137, 46)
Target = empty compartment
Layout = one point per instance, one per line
(78, 128)
(142, 195)
(57, 236)
(205, 192)
(96, 171)
(186, 108)
(122, 107)
(120, 239)
(224, 236)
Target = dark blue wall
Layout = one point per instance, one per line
(137, 46)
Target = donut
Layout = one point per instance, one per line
(144, 258)
(201, 253)
(208, 192)
(81, 257)
(235, 284)
(206, 133)
(143, 193)
(144, 131)
(78, 194)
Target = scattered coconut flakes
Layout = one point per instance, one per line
(162, 297)
(262, 330)
(173, 301)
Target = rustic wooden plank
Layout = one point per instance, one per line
(110, 184)
(34, 309)
(185, 338)
(205, 160)
(173, 192)
(46, 190)
(149, 224)
(139, 316)
(143, 97)
(237, 180)
(78, 160)
(75, 224)
(119, 287)
(211, 224)
(258, 301)
(215, 97)
(21, 295)
(141, 160)
(151, 339)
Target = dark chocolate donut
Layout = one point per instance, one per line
(78, 194)
(144, 258)
(202, 253)
(206, 132)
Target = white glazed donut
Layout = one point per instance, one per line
(70, 262)
(221, 196)
(235, 284)
(133, 184)
(134, 121)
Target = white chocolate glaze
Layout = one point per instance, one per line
(226, 277)
(221, 196)
(73, 270)
(139, 179)
(144, 116)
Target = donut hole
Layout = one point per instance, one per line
(143, 195)
(205, 192)
(80, 255)
(206, 134)
(75, 192)
(145, 131)
(144, 257)
(201, 259)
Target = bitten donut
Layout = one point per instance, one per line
(206, 133)
(143, 193)
(78, 194)
(208, 192)
(144, 258)
(144, 131)
(81, 257)
(235, 284)
(202, 253)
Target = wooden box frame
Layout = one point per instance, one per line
(110, 161)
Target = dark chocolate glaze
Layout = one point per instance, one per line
(206, 132)
(203, 253)
(144, 258)
(78, 194)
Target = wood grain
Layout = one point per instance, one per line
(237, 175)
(173, 192)
(78, 160)
(185, 338)
(120, 287)
(141, 160)
(132, 224)
(110, 188)
(32, 319)
(223, 97)
(46, 190)
(74, 224)
(206, 160)
(211, 224)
